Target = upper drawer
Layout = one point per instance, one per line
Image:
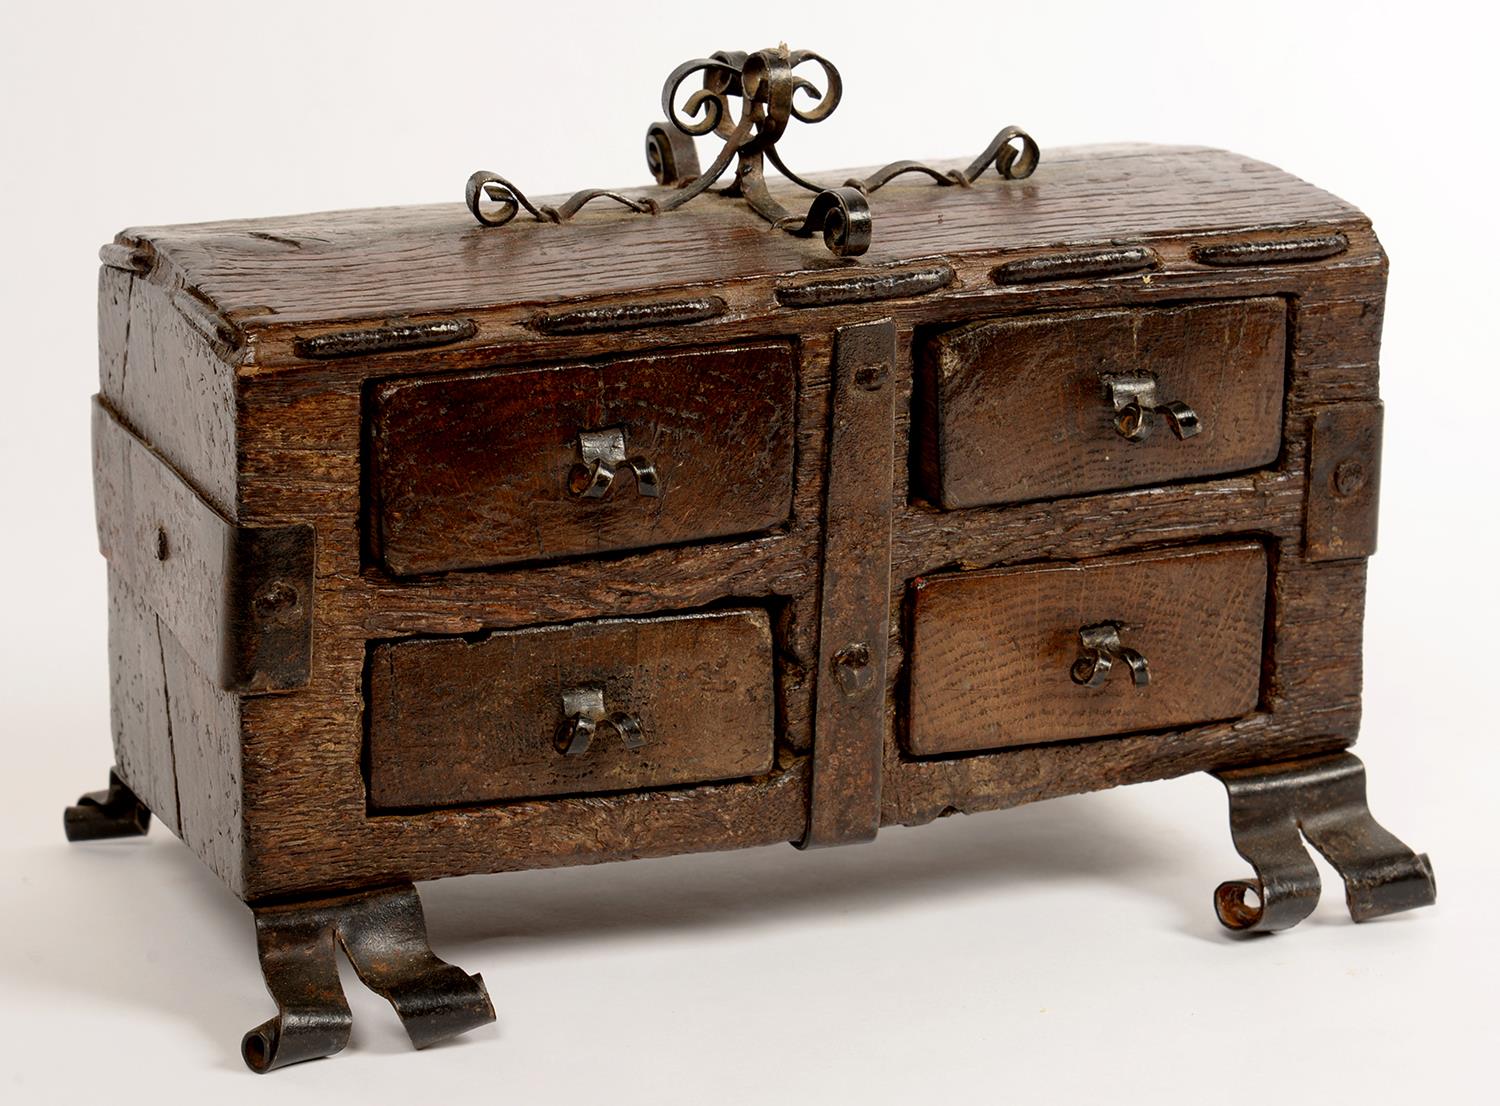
(1060, 652)
(615, 705)
(492, 467)
(1040, 406)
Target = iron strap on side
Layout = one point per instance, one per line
(238, 597)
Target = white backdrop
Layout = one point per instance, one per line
(1065, 952)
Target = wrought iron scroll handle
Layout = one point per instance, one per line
(747, 100)
(1101, 648)
(1136, 406)
(584, 715)
(602, 455)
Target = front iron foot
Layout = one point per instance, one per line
(114, 812)
(1273, 806)
(384, 935)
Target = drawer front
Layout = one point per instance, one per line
(494, 467)
(675, 700)
(998, 657)
(1039, 406)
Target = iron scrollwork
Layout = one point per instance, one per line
(767, 88)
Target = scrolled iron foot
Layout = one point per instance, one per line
(385, 937)
(1272, 807)
(99, 815)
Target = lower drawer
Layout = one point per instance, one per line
(614, 705)
(1059, 652)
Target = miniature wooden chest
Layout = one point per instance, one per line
(438, 547)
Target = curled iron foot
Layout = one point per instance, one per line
(385, 937)
(1272, 807)
(114, 812)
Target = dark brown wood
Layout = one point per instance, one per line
(1343, 482)
(273, 791)
(992, 652)
(454, 721)
(484, 468)
(851, 681)
(1018, 408)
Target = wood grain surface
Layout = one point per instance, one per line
(476, 470)
(270, 273)
(991, 651)
(1018, 408)
(454, 721)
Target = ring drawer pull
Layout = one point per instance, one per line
(1102, 647)
(1136, 407)
(585, 713)
(603, 454)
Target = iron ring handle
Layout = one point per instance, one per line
(1136, 406)
(1100, 648)
(585, 715)
(601, 456)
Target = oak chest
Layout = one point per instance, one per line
(437, 547)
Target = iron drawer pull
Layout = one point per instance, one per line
(584, 708)
(1102, 647)
(1136, 407)
(603, 453)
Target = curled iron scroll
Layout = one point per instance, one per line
(748, 100)
(842, 214)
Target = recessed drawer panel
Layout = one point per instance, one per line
(615, 705)
(1059, 652)
(1058, 404)
(494, 467)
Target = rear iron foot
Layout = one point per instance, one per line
(114, 812)
(384, 935)
(1272, 807)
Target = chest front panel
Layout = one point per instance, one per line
(815, 559)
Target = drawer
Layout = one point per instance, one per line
(1039, 406)
(673, 700)
(998, 657)
(489, 468)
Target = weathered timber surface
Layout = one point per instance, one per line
(455, 721)
(487, 468)
(1019, 409)
(992, 651)
(267, 273)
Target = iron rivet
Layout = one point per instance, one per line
(275, 600)
(872, 377)
(1348, 477)
(851, 665)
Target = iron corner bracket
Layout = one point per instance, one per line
(240, 597)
